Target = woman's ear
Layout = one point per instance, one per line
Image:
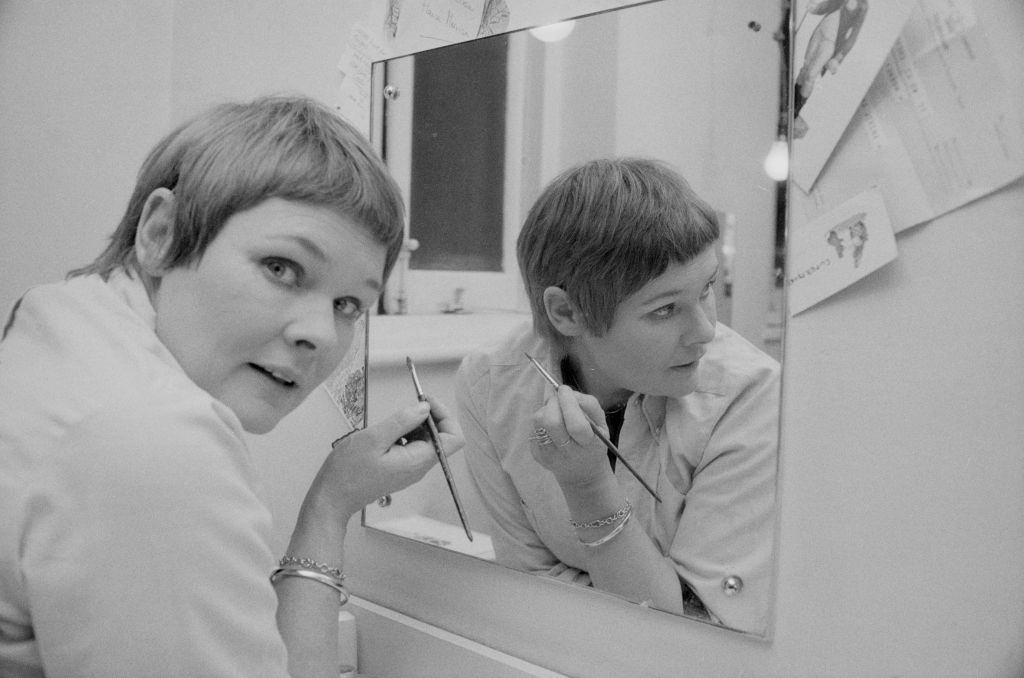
(155, 231)
(562, 313)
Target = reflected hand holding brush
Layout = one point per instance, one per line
(597, 430)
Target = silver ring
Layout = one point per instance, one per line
(541, 436)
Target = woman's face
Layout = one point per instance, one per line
(269, 310)
(657, 336)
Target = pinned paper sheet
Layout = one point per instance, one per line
(433, 23)
(361, 50)
(346, 384)
(838, 249)
(399, 27)
(939, 127)
(839, 47)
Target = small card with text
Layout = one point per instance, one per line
(839, 248)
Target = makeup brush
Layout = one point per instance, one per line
(435, 438)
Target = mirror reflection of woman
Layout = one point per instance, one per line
(134, 540)
(619, 262)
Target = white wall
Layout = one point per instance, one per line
(84, 93)
(902, 539)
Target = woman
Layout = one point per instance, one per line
(133, 541)
(618, 258)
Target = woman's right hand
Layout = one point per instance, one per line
(575, 456)
(369, 463)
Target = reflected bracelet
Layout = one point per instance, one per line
(622, 514)
(611, 535)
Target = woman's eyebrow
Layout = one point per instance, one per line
(302, 241)
(311, 247)
(668, 294)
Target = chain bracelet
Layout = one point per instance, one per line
(616, 517)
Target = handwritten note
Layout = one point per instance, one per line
(838, 249)
(433, 23)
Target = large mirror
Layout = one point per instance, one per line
(474, 131)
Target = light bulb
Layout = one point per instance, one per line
(553, 32)
(776, 163)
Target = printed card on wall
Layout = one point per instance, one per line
(838, 249)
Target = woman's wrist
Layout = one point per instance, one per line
(319, 534)
(595, 500)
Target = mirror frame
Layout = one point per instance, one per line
(781, 217)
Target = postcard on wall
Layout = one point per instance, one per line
(940, 126)
(839, 46)
(838, 249)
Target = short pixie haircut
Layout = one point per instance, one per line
(236, 155)
(603, 229)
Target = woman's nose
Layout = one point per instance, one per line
(699, 326)
(315, 327)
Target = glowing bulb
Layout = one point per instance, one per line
(776, 163)
(553, 32)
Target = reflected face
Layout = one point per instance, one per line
(657, 336)
(269, 310)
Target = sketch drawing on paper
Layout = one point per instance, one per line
(852, 234)
(830, 42)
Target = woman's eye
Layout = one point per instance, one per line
(707, 290)
(664, 312)
(282, 270)
(348, 307)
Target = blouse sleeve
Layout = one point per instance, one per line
(146, 549)
(516, 544)
(724, 544)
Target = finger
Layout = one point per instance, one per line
(451, 440)
(549, 416)
(412, 456)
(446, 423)
(452, 443)
(590, 406)
(437, 408)
(575, 421)
(399, 424)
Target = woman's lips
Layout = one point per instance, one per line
(275, 375)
